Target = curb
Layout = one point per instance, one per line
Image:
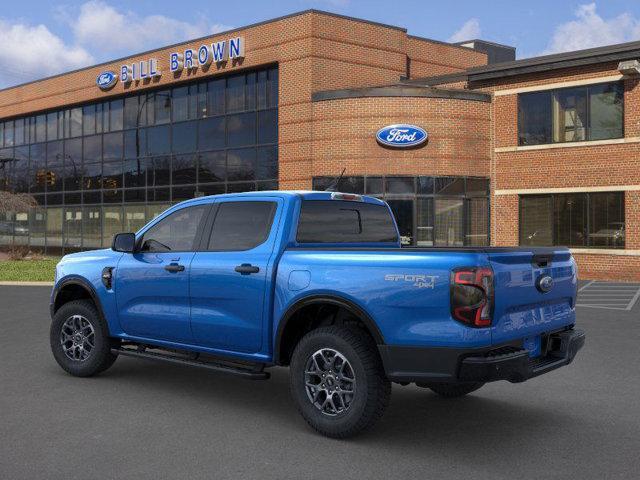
(27, 284)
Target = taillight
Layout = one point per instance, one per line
(472, 295)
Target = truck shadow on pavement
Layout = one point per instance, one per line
(416, 419)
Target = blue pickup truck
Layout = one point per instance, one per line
(316, 281)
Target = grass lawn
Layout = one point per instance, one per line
(28, 270)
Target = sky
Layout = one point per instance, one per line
(39, 38)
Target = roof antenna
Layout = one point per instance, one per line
(336, 183)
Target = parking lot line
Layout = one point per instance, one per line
(609, 296)
(634, 300)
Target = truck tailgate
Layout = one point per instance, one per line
(522, 309)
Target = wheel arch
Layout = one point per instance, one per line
(287, 319)
(75, 288)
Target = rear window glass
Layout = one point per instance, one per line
(335, 221)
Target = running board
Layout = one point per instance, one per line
(256, 373)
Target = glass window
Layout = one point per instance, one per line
(477, 232)
(130, 115)
(261, 89)
(158, 140)
(241, 164)
(241, 225)
(403, 213)
(477, 187)
(267, 164)
(134, 218)
(333, 221)
(89, 120)
(449, 186)
(162, 107)
(37, 168)
(180, 103)
(272, 88)
(592, 112)
(112, 224)
(72, 227)
(54, 227)
(92, 233)
(184, 136)
(235, 93)
(176, 232)
(607, 220)
(215, 96)
(92, 176)
(606, 106)
(37, 226)
(211, 133)
(184, 170)
(536, 220)
(41, 128)
(212, 167)
(449, 222)
(135, 173)
(250, 91)
(19, 131)
(75, 122)
(116, 118)
(241, 129)
(374, 186)
(161, 171)
(21, 169)
(135, 143)
(112, 175)
(400, 185)
(268, 126)
(351, 185)
(424, 216)
(54, 175)
(8, 134)
(570, 115)
(570, 218)
(92, 149)
(112, 145)
(425, 185)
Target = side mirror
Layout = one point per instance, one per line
(124, 242)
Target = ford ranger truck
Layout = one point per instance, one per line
(318, 282)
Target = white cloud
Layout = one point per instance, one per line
(469, 31)
(591, 30)
(28, 52)
(105, 29)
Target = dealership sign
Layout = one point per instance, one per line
(189, 59)
(106, 80)
(401, 136)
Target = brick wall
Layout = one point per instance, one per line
(430, 58)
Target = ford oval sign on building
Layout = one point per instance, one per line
(401, 136)
(106, 80)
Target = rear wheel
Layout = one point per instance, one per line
(453, 390)
(337, 381)
(80, 340)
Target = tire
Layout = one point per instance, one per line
(453, 390)
(356, 405)
(81, 317)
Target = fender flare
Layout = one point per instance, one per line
(81, 282)
(330, 299)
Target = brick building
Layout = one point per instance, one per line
(540, 151)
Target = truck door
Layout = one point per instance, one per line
(152, 285)
(228, 281)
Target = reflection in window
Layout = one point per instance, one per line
(449, 216)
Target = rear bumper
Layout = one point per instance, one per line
(508, 362)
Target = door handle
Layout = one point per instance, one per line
(247, 269)
(174, 268)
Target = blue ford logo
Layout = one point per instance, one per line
(544, 283)
(106, 80)
(401, 136)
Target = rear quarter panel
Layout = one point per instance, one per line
(406, 293)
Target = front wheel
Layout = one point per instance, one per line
(338, 382)
(80, 339)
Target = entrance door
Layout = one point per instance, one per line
(229, 280)
(152, 285)
(403, 211)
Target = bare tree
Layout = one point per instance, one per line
(16, 202)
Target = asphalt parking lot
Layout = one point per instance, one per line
(150, 420)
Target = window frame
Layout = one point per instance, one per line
(552, 93)
(588, 221)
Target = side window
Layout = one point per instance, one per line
(175, 233)
(241, 225)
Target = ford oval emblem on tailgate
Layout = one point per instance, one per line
(544, 283)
